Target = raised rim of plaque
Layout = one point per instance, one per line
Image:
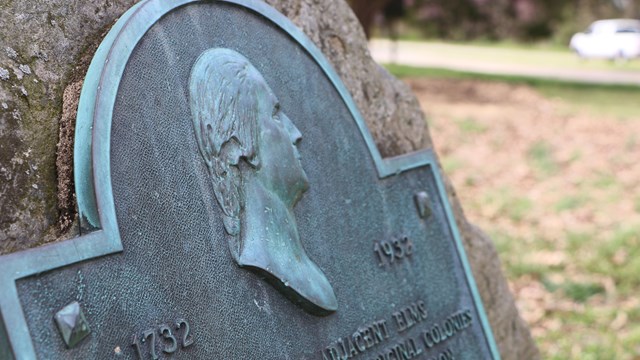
(99, 229)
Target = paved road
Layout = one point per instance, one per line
(489, 60)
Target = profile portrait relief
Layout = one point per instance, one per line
(249, 147)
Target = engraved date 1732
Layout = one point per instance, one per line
(393, 251)
(169, 341)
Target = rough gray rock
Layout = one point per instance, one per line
(45, 49)
(44, 45)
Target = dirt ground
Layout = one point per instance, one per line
(557, 189)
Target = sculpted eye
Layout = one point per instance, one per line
(276, 112)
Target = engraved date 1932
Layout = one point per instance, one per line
(393, 251)
(169, 341)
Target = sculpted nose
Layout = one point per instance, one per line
(294, 134)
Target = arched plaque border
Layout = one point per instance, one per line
(93, 170)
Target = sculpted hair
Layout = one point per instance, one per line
(224, 106)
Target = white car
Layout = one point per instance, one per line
(611, 39)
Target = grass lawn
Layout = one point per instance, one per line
(509, 53)
(622, 101)
(549, 170)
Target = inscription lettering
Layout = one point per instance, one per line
(168, 339)
(393, 251)
(360, 341)
(409, 347)
(186, 340)
(404, 350)
(447, 354)
(136, 346)
(455, 323)
(152, 344)
(165, 331)
(409, 316)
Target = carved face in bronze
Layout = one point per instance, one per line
(278, 156)
(249, 146)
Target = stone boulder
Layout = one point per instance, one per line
(45, 50)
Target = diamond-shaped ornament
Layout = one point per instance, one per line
(72, 324)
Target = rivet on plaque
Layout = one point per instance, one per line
(422, 203)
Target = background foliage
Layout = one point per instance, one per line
(522, 20)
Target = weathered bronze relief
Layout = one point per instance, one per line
(190, 170)
(249, 146)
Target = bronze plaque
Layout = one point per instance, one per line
(233, 205)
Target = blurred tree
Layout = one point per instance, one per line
(628, 7)
(494, 19)
(366, 11)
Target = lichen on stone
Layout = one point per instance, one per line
(11, 53)
(25, 69)
(4, 74)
